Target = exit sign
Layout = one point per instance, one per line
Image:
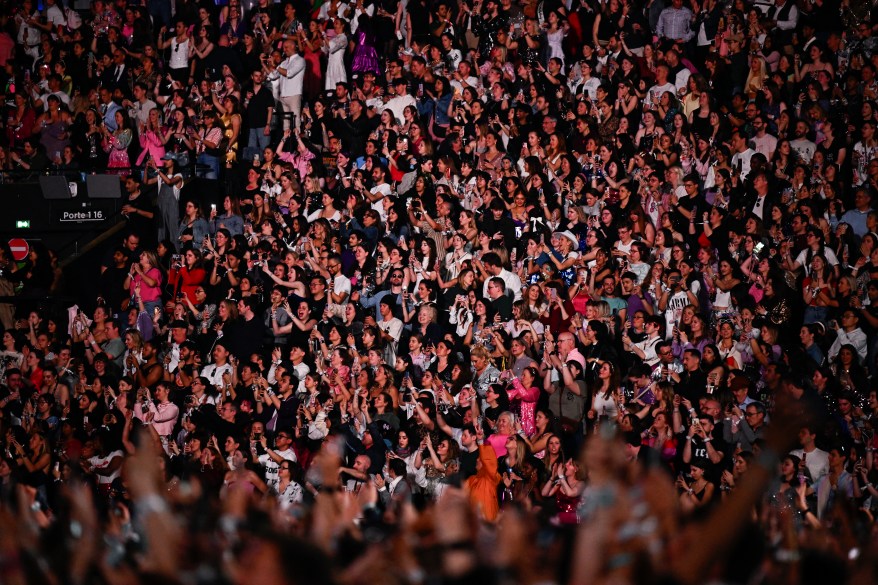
(22, 224)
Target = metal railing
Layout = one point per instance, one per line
(8, 176)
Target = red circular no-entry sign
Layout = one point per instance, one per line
(20, 249)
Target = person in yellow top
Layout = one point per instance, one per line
(231, 119)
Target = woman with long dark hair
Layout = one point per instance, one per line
(698, 492)
(443, 107)
(517, 471)
(229, 219)
(116, 143)
(177, 138)
(20, 121)
(208, 145)
(525, 393)
(230, 115)
(188, 275)
(850, 376)
(605, 399)
(566, 484)
(818, 291)
(783, 491)
(52, 126)
(193, 228)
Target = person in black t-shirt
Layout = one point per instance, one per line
(258, 109)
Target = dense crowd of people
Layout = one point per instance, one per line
(472, 291)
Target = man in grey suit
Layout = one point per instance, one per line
(397, 491)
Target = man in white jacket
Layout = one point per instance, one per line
(292, 77)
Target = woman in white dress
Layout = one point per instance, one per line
(335, 47)
(555, 36)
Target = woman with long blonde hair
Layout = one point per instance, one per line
(151, 138)
(756, 77)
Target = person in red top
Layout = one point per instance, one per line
(20, 122)
(32, 372)
(560, 308)
(186, 277)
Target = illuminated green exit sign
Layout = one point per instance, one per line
(22, 224)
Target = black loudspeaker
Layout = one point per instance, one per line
(103, 186)
(55, 187)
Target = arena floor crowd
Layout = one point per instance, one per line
(451, 292)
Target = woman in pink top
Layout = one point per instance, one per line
(298, 159)
(525, 393)
(661, 438)
(161, 413)
(145, 279)
(151, 138)
(504, 429)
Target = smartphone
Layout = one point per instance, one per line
(213, 206)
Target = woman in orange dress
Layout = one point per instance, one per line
(482, 486)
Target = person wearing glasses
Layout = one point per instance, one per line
(745, 427)
(341, 285)
(273, 458)
(394, 290)
(289, 490)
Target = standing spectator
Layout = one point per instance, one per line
(259, 107)
(335, 46)
(178, 42)
(292, 73)
(674, 23)
(169, 182)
